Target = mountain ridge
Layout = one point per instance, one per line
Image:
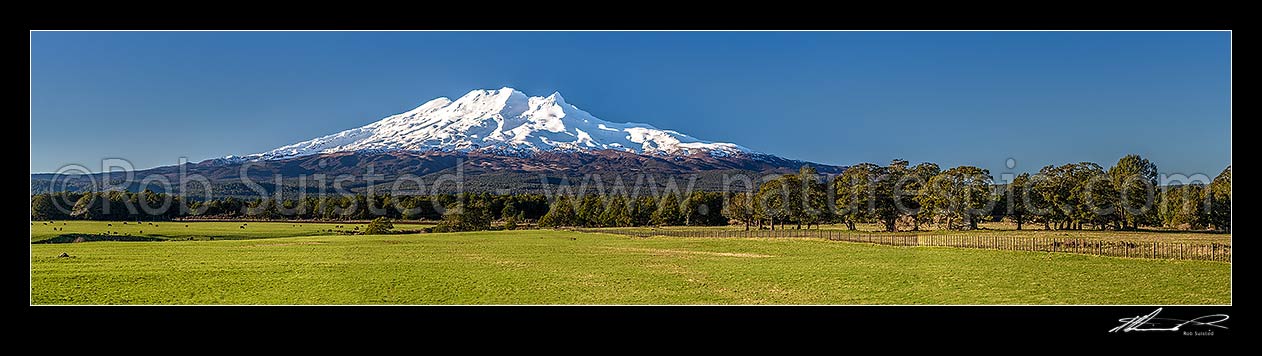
(477, 171)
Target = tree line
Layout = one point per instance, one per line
(148, 205)
(898, 196)
(1073, 196)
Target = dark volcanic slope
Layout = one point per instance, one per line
(416, 172)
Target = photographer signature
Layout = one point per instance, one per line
(1151, 322)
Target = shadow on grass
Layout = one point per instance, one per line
(69, 238)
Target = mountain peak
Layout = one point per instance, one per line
(503, 120)
(556, 97)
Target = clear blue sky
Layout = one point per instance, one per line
(954, 98)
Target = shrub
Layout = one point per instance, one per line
(378, 226)
(510, 222)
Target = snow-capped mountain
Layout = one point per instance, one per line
(502, 121)
(494, 141)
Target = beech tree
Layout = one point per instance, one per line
(852, 188)
(888, 195)
(740, 207)
(958, 197)
(1134, 179)
(42, 208)
(1220, 201)
(704, 209)
(772, 202)
(1073, 194)
(913, 183)
(1184, 206)
(1018, 199)
(810, 198)
(474, 215)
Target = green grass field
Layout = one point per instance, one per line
(552, 267)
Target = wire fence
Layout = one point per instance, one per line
(1102, 247)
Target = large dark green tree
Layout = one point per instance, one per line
(910, 189)
(888, 196)
(810, 198)
(668, 212)
(473, 215)
(740, 207)
(642, 209)
(853, 195)
(617, 212)
(1102, 203)
(1184, 206)
(1074, 194)
(590, 210)
(561, 214)
(1220, 201)
(42, 207)
(704, 209)
(1134, 178)
(772, 202)
(958, 197)
(1018, 199)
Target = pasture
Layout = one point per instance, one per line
(559, 267)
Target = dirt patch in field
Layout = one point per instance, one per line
(289, 244)
(75, 238)
(658, 251)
